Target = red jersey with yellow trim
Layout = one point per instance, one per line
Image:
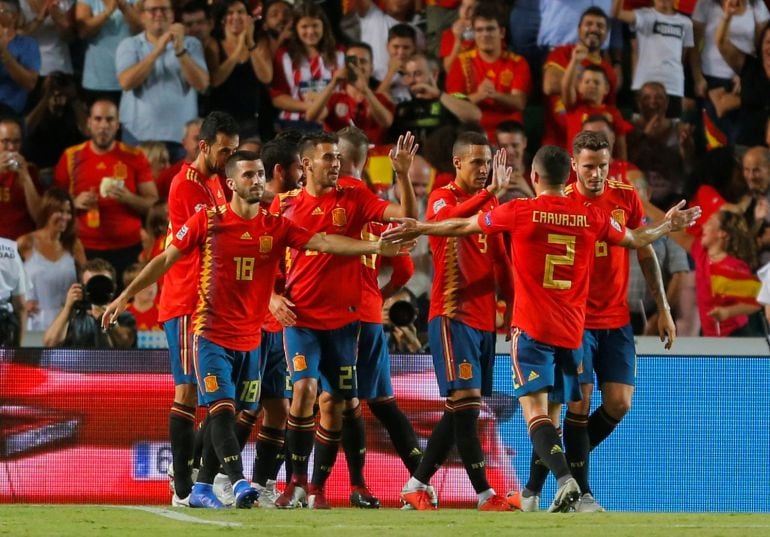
(80, 169)
(189, 193)
(552, 247)
(325, 288)
(607, 306)
(464, 279)
(15, 220)
(238, 258)
(403, 266)
(509, 73)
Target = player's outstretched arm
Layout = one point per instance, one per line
(341, 245)
(409, 228)
(676, 219)
(149, 274)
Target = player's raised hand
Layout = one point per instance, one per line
(402, 154)
(501, 173)
(666, 328)
(406, 231)
(280, 307)
(115, 308)
(682, 218)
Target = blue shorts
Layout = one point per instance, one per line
(326, 355)
(373, 367)
(180, 349)
(464, 357)
(539, 366)
(227, 374)
(276, 382)
(611, 354)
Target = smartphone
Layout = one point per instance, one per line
(351, 60)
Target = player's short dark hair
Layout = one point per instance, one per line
(402, 30)
(467, 139)
(594, 11)
(232, 163)
(363, 45)
(512, 127)
(489, 10)
(218, 122)
(593, 141)
(552, 164)
(312, 139)
(278, 151)
(354, 144)
(593, 68)
(194, 6)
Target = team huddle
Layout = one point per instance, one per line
(250, 328)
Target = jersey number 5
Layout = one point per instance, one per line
(551, 261)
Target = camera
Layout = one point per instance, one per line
(13, 165)
(402, 313)
(84, 330)
(98, 292)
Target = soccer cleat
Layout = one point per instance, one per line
(363, 497)
(317, 499)
(224, 489)
(495, 503)
(176, 501)
(566, 497)
(172, 483)
(528, 504)
(418, 498)
(245, 494)
(267, 494)
(295, 495)
(433, 500)
(203, 496)
(588, 504)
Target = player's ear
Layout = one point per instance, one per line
(230, 182)
(574, 164)
(456, 162)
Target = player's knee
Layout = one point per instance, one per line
(580, 407)
(275, 412)
(186, 394)
(617, 407)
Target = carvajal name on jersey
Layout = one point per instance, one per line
(560, 219)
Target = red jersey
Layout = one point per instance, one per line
(578, 114)
(238, 258)
(189, 193)
(166, 175)
(80, 169)
(325, 288)
(448, 43)
(607, 306)
(15, 220)
(464, 280)
(145, 320)
(552, 245)
(559, 58)
(509, 73)
(344, 111)
(403, 267)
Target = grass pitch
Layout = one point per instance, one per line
(138, 521)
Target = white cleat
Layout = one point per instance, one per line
(530, 504)
(176, 501)
(267, 494)
(588, 504)
(566, 497)
(223, 490)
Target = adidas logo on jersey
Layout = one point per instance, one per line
(317, 211)
(246, 236)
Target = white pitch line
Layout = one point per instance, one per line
(174, 515)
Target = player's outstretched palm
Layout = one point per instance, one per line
(402, 154)
(501, 173)
(682, 218)
(406, 231)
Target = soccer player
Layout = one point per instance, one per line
(373, 366)
(326, 293)
(194, 188)
(552, 246)
(461, 330)
(235, 248)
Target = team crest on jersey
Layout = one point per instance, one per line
(182, 232)
(465, 371)
(619, 215)
(341, 109)
(438, 205)
(506, 77)
(265, 244)
(211, 384)
(300, 363)
(120, 170)
(339, 217)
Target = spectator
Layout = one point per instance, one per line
(402, 43)
(355, 104)
(52, 254)
(13, 285)
(197, 21)
(155, 231)
(664, 36)
(19, 59)
(112, 187)
(496, 80)
(439, 15)
(160, 71)
(592, 32)
(756, 173)
(715, 80)
(157, 155)
(236, 64)
(143, 306)
(56, 122)
(402, 330)
(459, 37)
(754, 72)
(103, 24)
(51, 24)
(511, 137)
(305, 67)
(19, 197)
(192, 131)
(558, 18)
(429, 107)
(366, 22)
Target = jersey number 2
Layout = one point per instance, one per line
(551, 261)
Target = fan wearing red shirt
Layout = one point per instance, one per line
(468, 271)
(236, 248)
(112, 187)
(552, 245)
(19, 196)
(496, 80)
(322, 343)
(593, 30)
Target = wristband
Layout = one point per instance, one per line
(181, 53)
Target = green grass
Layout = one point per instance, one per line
(122, 521)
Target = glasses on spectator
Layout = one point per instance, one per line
(157, 10)
(10, 141)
